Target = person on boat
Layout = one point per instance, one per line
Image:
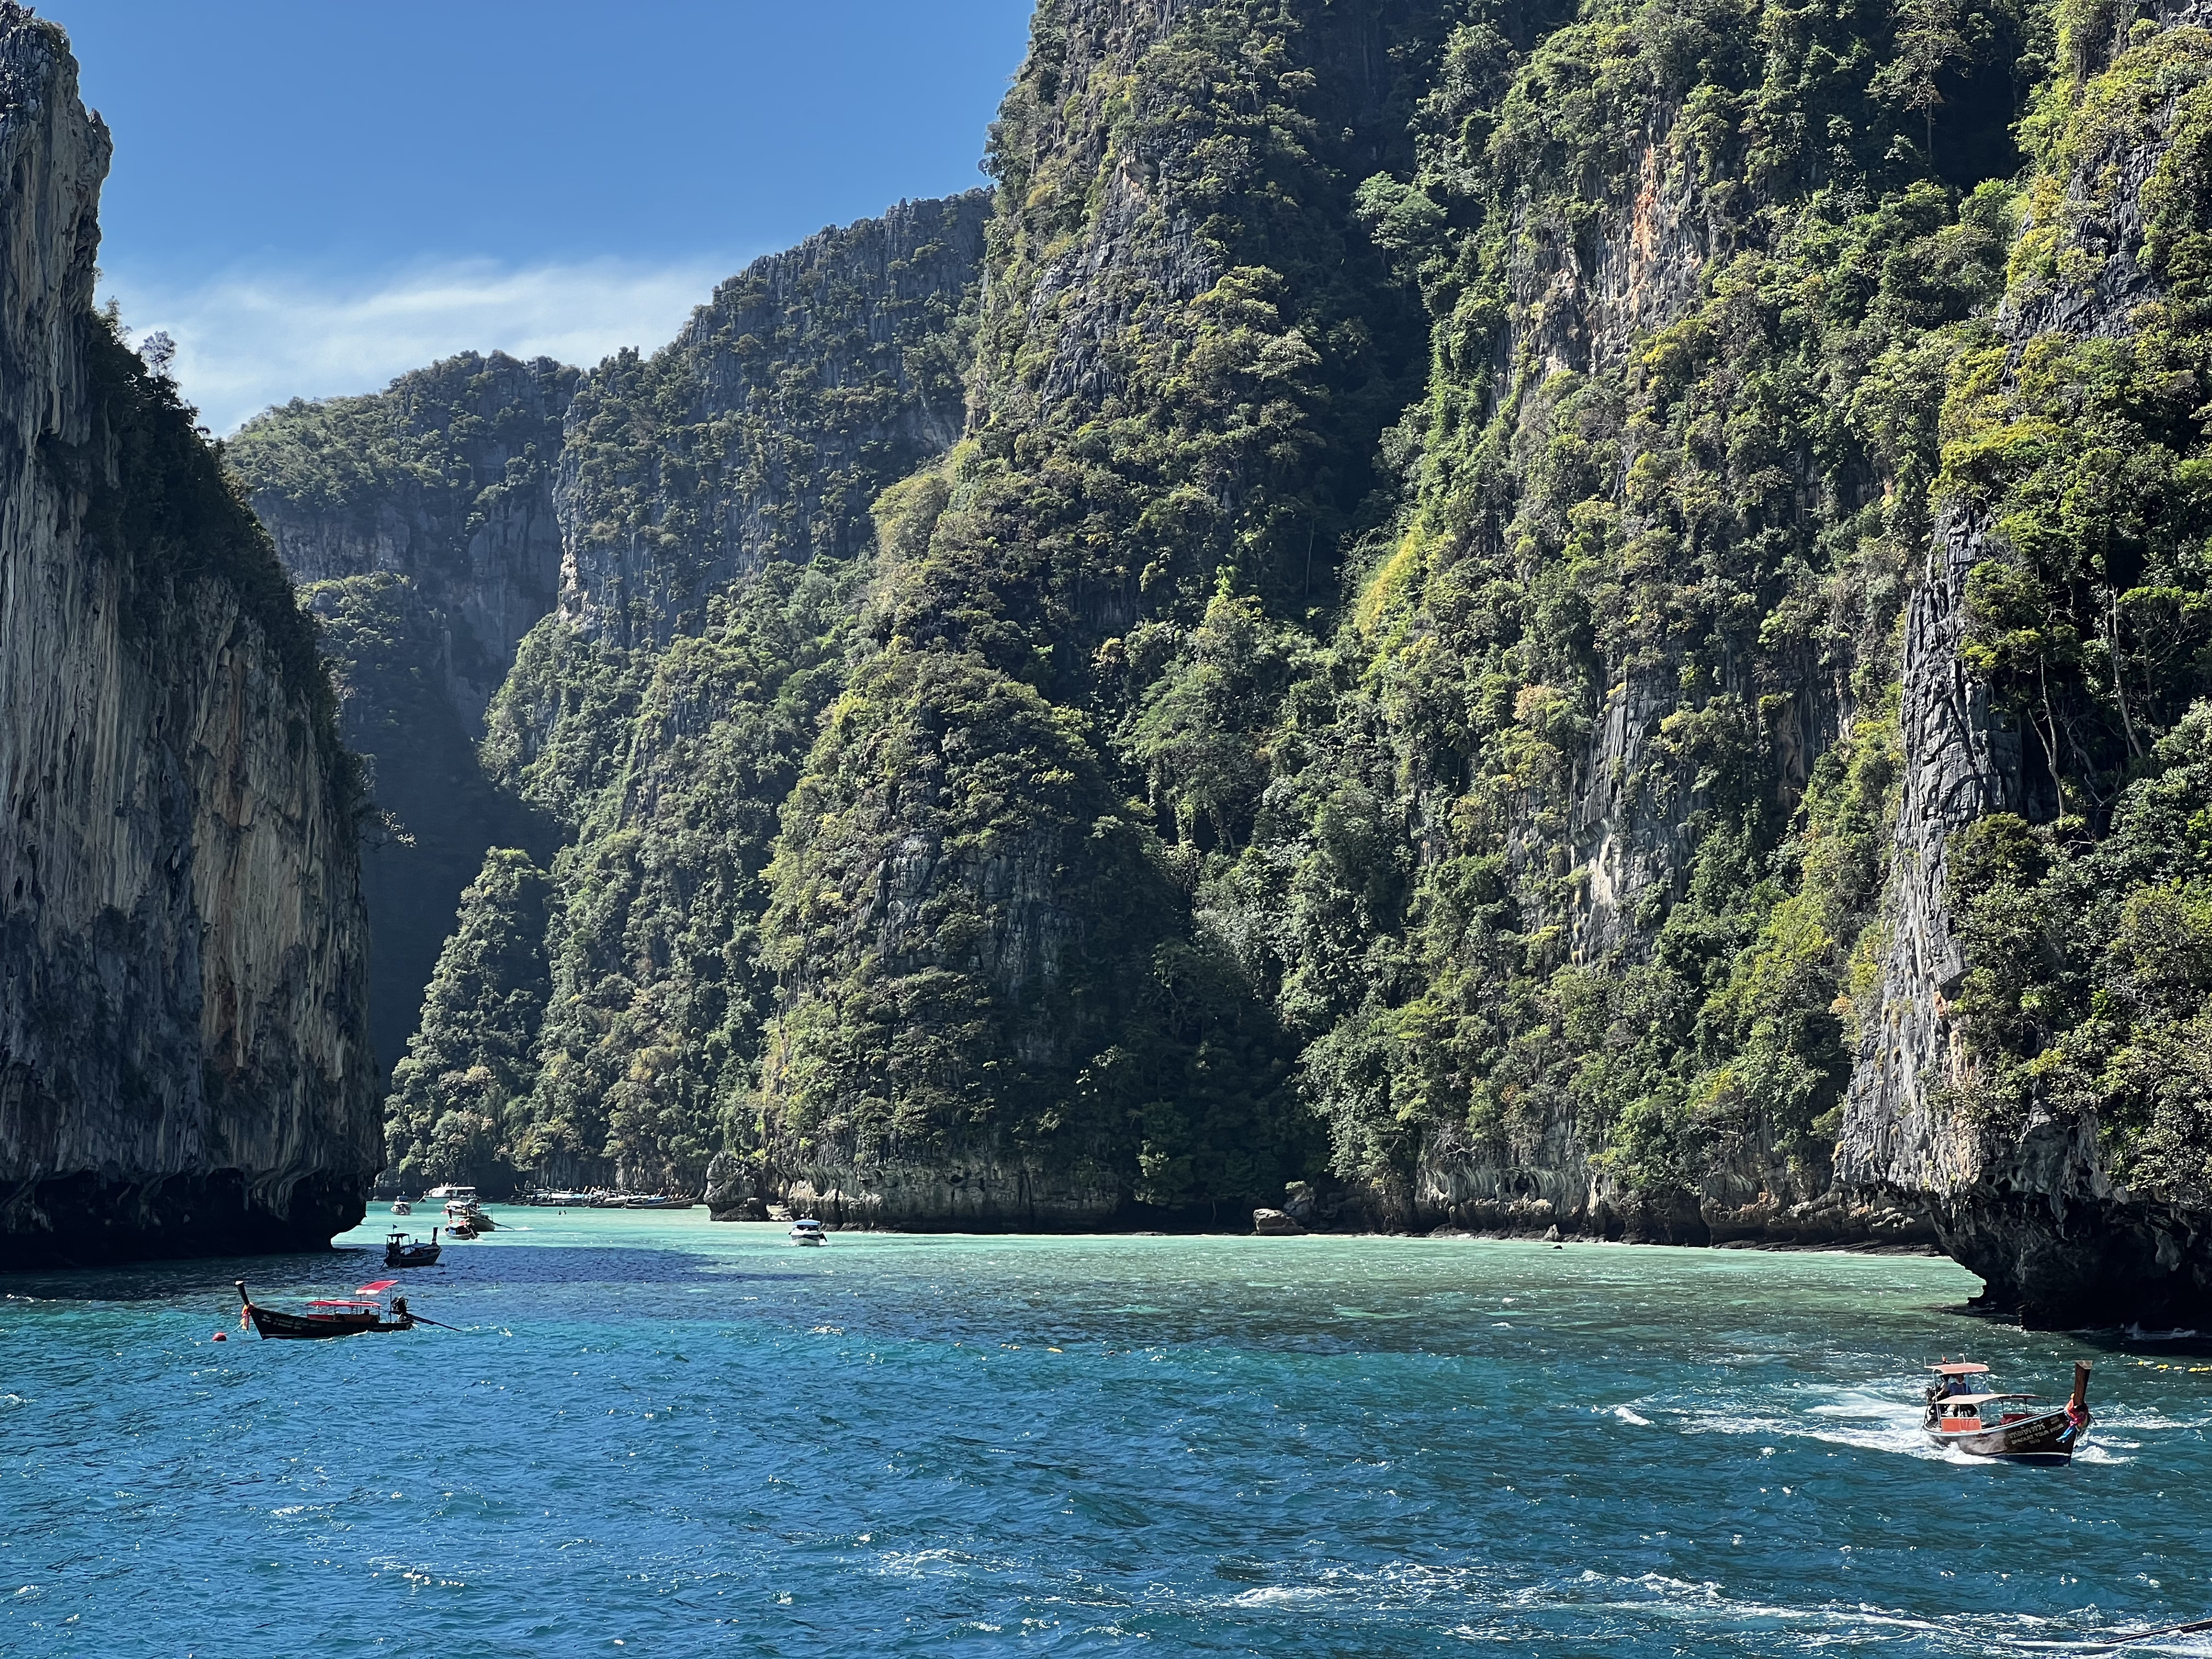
(399, 1307)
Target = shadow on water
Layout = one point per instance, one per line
(340, 1270)
(2113, 1339)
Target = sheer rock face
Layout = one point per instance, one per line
(812, 380)
(445, 478)
(2034, 1213)
(184, 1065)
(419, 523)
(1581, 299)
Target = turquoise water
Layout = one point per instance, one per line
(685, 1437)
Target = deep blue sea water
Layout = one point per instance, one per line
(656, 1435)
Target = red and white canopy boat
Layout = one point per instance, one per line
(347, 1316)
(1988, 1424)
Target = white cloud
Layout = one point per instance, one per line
(245, 342)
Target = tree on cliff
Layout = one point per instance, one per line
(474, 1052)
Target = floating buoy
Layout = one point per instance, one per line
(223, 1336)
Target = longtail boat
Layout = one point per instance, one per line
(347, 1316)
(400, 1250)
(1986, 1424)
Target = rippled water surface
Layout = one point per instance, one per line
(687, 1438)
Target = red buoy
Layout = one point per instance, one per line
(223, 1336)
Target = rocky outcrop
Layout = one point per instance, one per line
(183, 1062)
(977, 1191)
(1753, 1198)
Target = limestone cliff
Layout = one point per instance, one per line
(184, 1060)
(1185, 354)
(715, 498)
(419, 523)
(2023, 1076)
(443, 479)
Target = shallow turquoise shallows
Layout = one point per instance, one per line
(685, 1437)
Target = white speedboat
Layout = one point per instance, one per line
(401, 1206)
(807, 1230)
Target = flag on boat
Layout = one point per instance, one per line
(376, 1287)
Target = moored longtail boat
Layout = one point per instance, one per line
(400, 1250)
(1984, 1425)
(349, 1316)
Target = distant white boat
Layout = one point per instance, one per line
(807, 1230)
(401, 1206)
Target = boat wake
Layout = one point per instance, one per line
(1597, 1606)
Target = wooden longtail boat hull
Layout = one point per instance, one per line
(2049, 1438)
(2045, 1438)
(313, 1327)
(310, 1328)
(398, 1252)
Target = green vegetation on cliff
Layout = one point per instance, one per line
(716, 497)
(419, 522)
(1185, 352)
(1350, 621)
(659, 994)
(450, 1117)
(2083, 463)
(1578, 830)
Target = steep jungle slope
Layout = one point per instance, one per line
(184, 1065)
(715, 498)
(419, 521)
(997, 1009)
(2038, 1068)
(1575, 833)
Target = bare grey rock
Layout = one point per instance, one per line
(184, 1060)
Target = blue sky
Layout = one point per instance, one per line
(314, 195)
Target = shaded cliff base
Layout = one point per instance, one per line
(88, 1220)
(2058, 1262)
(1000, 1197)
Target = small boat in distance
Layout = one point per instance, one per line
(401, 1206)
(353, 1315)
(807, 1230)
(1962, 1414)
(462, 1207)
(400, 1250)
